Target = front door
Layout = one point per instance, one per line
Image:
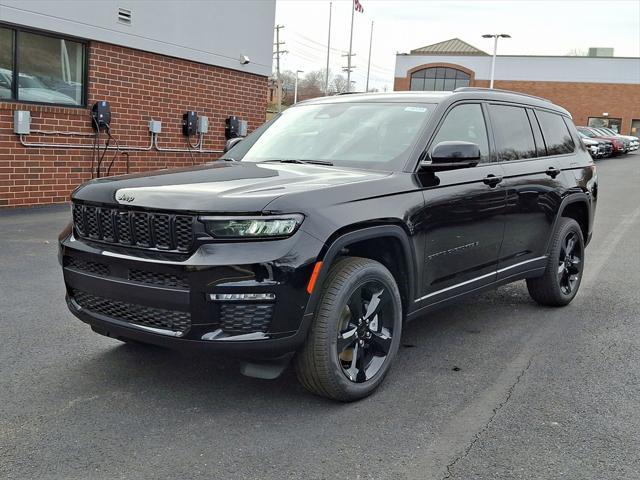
(463, 218)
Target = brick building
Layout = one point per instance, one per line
(149, 60)
(598, 91)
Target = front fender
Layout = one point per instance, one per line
(338, 244)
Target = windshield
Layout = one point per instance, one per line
(588, 133)
(361, 135)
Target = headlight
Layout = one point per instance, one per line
(268, 226)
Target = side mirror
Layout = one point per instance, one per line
(232, 142)
(452, 156)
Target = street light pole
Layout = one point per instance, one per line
(495, 36)
(295, 88)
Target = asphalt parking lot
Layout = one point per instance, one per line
(496, 387)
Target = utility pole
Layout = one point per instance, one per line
(349, 68)
(369, 61)
(326, 77)
(350, 54)
(295, 89)
(277, 54)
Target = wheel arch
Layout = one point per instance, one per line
(367, 242)
(575, 206)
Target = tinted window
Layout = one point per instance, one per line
(555, 132)
(513, 132)
(465, 123)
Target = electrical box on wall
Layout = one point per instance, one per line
(189, 123)
(234, 127)
(101, 115)
(203, 124)
(22, 122)
(155, 126)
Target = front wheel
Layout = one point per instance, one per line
(560, 282)
(355, 332)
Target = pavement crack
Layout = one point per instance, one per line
(485, 427)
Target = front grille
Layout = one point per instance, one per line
(135, 314)
(160, 279)
(245, 318)
(134, 228)
(93, 268)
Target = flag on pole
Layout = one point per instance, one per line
(358, 6)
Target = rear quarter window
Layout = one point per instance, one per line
(556, 134)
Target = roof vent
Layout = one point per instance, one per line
(124, 16)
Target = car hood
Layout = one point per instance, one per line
(219, 186)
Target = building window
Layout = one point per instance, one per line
(48, 69)
(439, 79)
(612, 123)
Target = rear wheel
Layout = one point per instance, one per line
(561, 280)
(355, 333)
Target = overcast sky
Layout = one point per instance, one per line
(538, 27)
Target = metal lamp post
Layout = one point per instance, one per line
(295, 88)
(495, 36)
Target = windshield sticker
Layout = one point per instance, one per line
(415, 109)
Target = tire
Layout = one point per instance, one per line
(360, 303)
(561, 280)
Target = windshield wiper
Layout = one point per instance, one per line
(294, 160)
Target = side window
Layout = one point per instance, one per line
(512, 130)
(556, 134)
(465, 123)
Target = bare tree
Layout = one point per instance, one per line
(338, 84)
(312, 84)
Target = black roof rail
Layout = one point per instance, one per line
(350, 93)
(484, 89)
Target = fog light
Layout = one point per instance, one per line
(242, 297)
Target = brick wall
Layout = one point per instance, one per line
(139, 86)
(583, 100)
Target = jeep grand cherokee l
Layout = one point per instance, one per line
(318, 236)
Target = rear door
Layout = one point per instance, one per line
(463, 216)
(534, 149)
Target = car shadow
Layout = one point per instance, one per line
(433, 349)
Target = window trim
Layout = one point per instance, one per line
(16, 29)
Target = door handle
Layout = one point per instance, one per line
(492, 180)
(553, 172)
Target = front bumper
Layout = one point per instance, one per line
(165, 300)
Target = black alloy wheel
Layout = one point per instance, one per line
(561, 279)
(569, 263)
(355, 332)
(366, 332)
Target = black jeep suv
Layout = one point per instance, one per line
(321, 233)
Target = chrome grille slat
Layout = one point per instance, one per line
(119, 226)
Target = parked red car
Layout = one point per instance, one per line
(619, 146)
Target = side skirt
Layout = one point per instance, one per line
(422, 310)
